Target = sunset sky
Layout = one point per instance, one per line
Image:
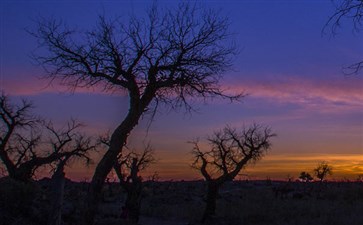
(291, 71)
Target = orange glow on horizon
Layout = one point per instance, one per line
(273, 166)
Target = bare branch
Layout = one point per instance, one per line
(230, 151)
(174, 55)
(354, 68)
(28, 143)
(352, 10)
(346, 9)
(200, 156)
(170, 56)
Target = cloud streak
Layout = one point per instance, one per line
(23, 83)
(309, 93)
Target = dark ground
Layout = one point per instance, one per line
(182, 203)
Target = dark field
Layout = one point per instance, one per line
(174, 203)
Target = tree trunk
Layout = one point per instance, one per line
(23, 173)
(101, 172)
(10, 167)
(57, 194)
(211, 200)
(118, 139)
(133, 203)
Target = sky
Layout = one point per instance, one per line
(291, 71)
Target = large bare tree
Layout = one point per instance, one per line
(169, 57)
(351, 10)
(27, 142)
(230, 151)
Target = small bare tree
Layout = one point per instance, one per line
(323, 170)
(14, 120)
(230, 151)
(70, 145)
(27, 143)
(348, 9)
(169, 57)
(305, 176)
(127, 168)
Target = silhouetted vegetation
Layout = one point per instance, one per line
(127, 168)
(28, 142)
(322, 170)
(230, 151)
(305, 176)
(170, 58)
(350, 10)
(167, 57)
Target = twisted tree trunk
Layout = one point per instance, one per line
(118, 139)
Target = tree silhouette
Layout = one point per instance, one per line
(306, 177)
(27, 142)
(348, 9)
(57, 193)
(169, 57)
(131, 181)
(230, 150)
(127, 168)
(323, 170)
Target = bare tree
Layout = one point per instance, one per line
(230, 151)
(169, 57)
(27, 143)
(14, 119)
(127, 168)
(347, 9)
(323, 170)
(305, 176)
